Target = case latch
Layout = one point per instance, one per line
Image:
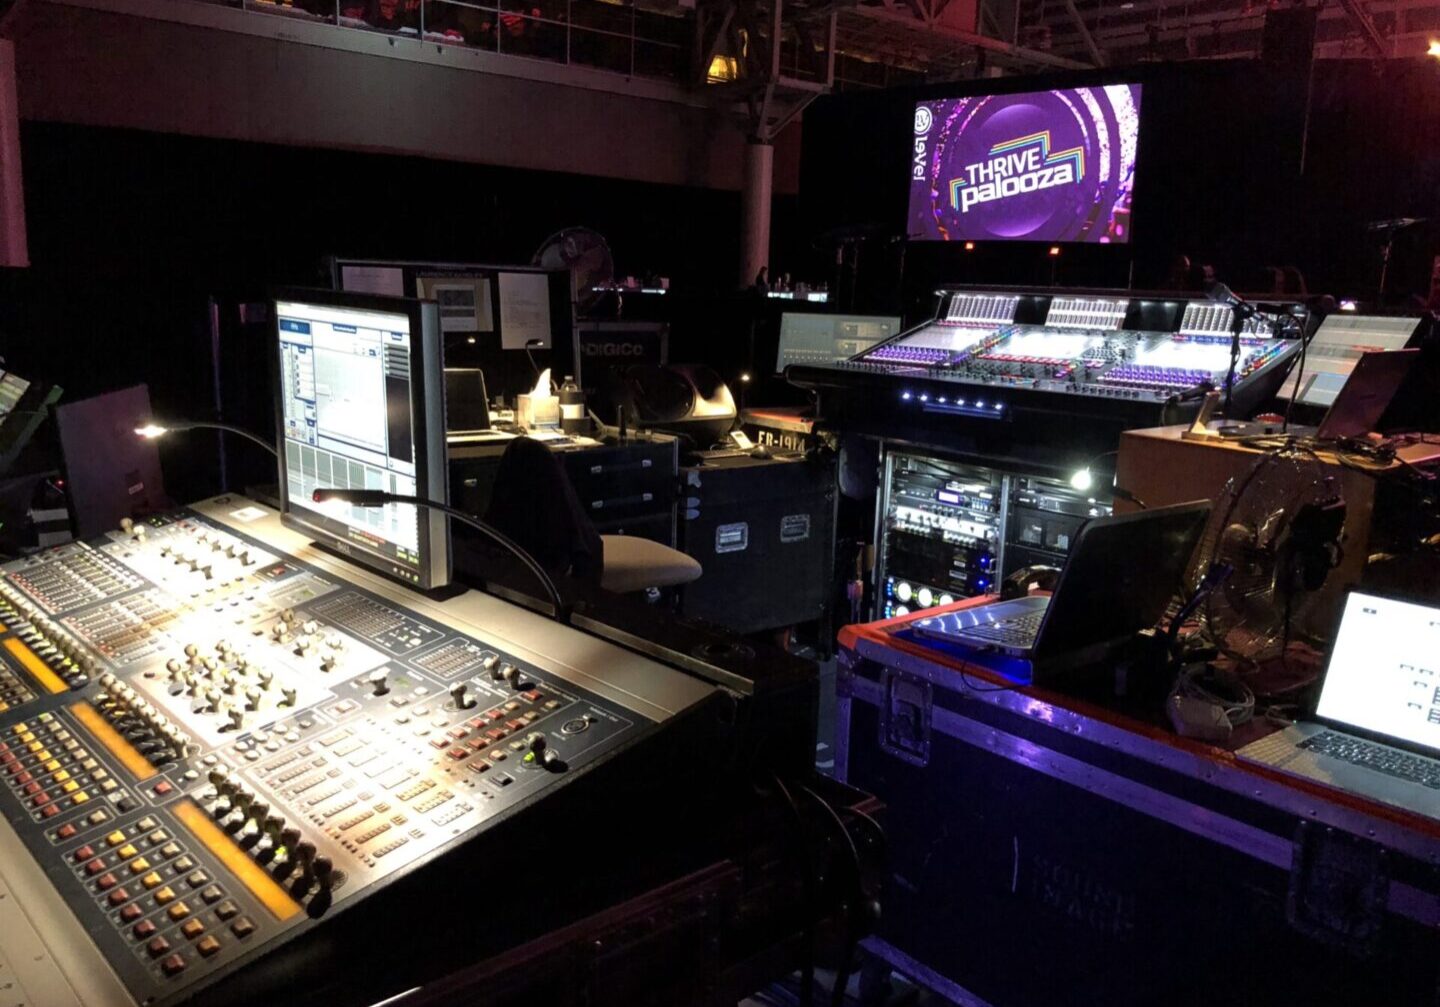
(905, 717)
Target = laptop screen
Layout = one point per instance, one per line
(1384, 671)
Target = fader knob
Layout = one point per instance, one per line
(380, 681)
(288, 694)
(457, 693)
(324, 870)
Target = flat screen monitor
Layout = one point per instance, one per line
(807, 338)
(361, 405)
(1039, 166)
(1336, 348)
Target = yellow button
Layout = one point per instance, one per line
(178, 911)
(34, 746)
(192, 928)
(79, 797)
(70, 786)
(4, 706)
(127, 851)
(52, 765)
(164, 895)
(21, 728)
(139, 864)
(115, 838)
(27, 737)
(151, 880)
(62, 776)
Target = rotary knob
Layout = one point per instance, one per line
(380, 681)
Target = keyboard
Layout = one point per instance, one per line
(1359, 752)
(1019, 631)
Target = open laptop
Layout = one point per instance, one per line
(1118, 578)
(467, 407)
(1376, 725)
(1365, 396)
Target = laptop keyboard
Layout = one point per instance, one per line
(1017, 632)
(1359, 752)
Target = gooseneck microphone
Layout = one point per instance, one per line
(379, 498)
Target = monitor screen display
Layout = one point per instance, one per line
(824, 339)
(1040, 166)
(352, 416)
(1383, 669)
(1337, 347)
(12, 390)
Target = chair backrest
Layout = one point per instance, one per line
(534, 503)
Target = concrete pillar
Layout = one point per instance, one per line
(755, 211)
(13, 250)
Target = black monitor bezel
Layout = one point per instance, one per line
(431, 462)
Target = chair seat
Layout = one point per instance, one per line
(632, 563)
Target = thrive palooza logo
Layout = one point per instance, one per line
(1022, 165)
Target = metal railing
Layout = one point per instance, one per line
(596, 34)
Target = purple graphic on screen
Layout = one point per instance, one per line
(1042, 166)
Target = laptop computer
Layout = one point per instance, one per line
(467, 407)
(1365, 396)
(1118, 578)
(1375, 729)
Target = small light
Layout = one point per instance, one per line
(969, 246)
(1434, 49)
(1054, 250)
(906, 396)
(942, 400)
(960, 402)
(470, 340)
(979, 403)
(150, 431)
(924, 397)
(1348, 306)
(999, 406)
(1082, 480)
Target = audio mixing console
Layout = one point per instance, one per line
(986, 355)
(213, 737)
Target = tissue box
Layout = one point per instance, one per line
(538, 411)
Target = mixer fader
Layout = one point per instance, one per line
(209, 744)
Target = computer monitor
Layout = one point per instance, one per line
(467, 407)
(360, 405)
(809, 338)
(1381, 676)
(1337, 347)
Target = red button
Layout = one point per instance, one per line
(162, 788)
(438, 742)
(173, 965)
(50, 811)
(457, 753)
(84, 853)
(131, 912)
(32, 788)
(157, 946)
(144, 928)
(94, 867)
(118, 896)
(108, 882)
(66, 831)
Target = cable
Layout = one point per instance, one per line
(1199, 684)
(852, 936)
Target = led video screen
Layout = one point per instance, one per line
(1040, 166)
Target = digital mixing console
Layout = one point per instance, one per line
(987, 354)
(213, 737)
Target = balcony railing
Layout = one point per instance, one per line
(597, 34)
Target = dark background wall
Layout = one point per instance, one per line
(1220, 178)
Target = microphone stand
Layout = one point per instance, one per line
(378, 498)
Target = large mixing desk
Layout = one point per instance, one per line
(216, 739)
(1002, 371)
